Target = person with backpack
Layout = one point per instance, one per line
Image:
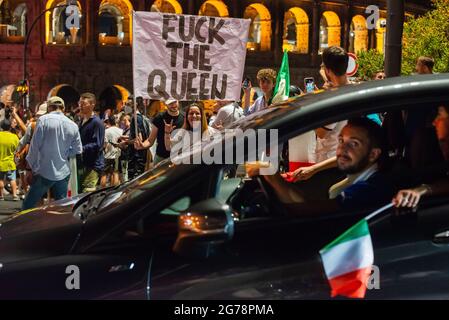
(137, 163)
(24, 147)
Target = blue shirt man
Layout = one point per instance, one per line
(92, 134)
(55, 140)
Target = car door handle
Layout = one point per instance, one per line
(442, 237)
(121, 267)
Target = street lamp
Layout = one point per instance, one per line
(25, 72)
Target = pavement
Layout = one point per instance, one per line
(9, 207)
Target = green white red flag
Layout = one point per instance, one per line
(348, 260)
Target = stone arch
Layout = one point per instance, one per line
(214, 8)
(115, 22)
(296, 31)
(113, 97)
(259, 37)
(167, 6)
(330, 30)
(55, 29)
(9, 93)
(358, 35)
(381, 32)
(68, 93)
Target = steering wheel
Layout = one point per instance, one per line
(275, 206)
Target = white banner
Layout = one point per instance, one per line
(188, 58)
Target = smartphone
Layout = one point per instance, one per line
(246, 83)
(309, 84)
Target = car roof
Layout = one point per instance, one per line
(355, 98)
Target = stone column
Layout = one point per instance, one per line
(316, 33)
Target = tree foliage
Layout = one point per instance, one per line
(370, 62)
(427, 35)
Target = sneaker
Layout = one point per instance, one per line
(15, 198)
(2, 198)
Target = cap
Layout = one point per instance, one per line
(170, 101)
(42, 109)
(55, 101)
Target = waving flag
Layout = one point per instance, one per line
(348, 259)
(282, 89)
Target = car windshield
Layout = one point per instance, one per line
(98, 202)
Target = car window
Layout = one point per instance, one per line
(178, 206)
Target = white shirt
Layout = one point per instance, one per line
(227, 115)
(327, 147)
(186, 138)
(112, 134)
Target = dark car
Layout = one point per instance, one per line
(196, 232)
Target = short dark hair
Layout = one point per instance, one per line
(89, 96)
(294, 91)
(336, 59)
(111, 121)
(5, 125)
(427, 61)
(376, 135)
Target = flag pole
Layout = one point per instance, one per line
(134, 78)
(378, 211)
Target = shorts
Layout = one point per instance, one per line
(9, 175)
(111, 166)
(89, 180)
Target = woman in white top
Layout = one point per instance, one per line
(193, 132)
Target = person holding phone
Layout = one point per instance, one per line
(309, 84)
(267, 80)
(333, 71)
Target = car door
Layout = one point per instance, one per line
(411, 252)
(269, 257)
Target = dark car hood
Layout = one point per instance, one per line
(45, 231)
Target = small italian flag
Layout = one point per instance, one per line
(348, 260)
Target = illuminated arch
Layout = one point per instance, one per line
(19, 19)
(358, 35)
(296, 31)
(68, 93)
(167, 6)
(330, 30)
(113, 97)
(8, 93)
(214, 8)
(259, 37)
(55, 32)
(115, 22)
(380, 34)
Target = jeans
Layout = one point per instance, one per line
(40, 187)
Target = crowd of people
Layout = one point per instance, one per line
(38, 151)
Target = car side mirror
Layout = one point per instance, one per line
(203, 228)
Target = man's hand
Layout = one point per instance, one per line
(169, 127)
(247, 89)
(138, 143)
(303, 174)
(409, 198)
(218, 125)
